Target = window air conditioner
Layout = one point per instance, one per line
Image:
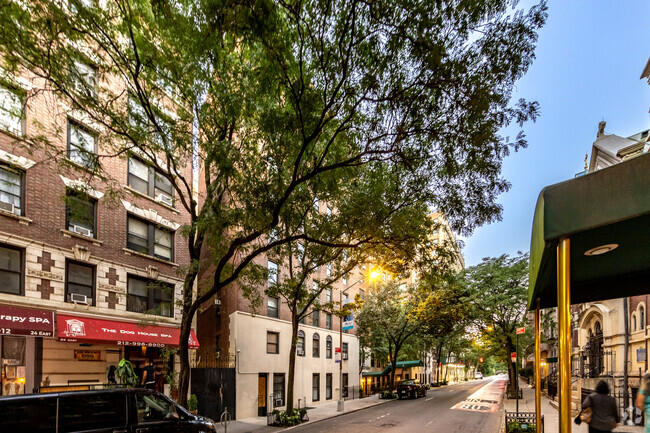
(165, 199)
(278, 402)
(7, 207)
(345, 356)
(82, 231)
(300, 352)
(78, 298)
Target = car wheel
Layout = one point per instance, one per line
(413, 394)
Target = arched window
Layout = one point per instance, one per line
(328, 347)
(633, 322)
(597, 329)
(641, 317)
(300, 345)
(315, 351)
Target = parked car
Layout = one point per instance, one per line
(125, 410)
(412, 388)
(478, 375)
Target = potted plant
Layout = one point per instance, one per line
(303, 415)
(192, 404)
(126, 373)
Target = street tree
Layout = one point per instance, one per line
(497, 293)
(387, 320)
(275, 103)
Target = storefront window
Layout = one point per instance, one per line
(13, 365)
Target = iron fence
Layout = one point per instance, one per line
(210, 359)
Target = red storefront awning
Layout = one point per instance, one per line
(26, 321)
(87, 330)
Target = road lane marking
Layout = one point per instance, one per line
(430, 398)
(486, 399)
(429, 423)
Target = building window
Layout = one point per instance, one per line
(344, 350)
(150, 182)
(85, 78)
(11, 110)
(300, 344)
(316, 204)
(328, 321)
(329, 211)
(345, 385)
(362, 294)
(149, 296)
(81, 213)
(272, 307)
(328, 347)
(11, 190)
(328, 295)
(149, 238)
(633, 323)
(345, 281)
(315, 318)
(82, 145)
(641, 318)
(329, 270)
(315, 387)
(328, 386)
(11, 270)
(273, 273)
(272, 342)
(278, 389)
(315, 351)
(80, 283)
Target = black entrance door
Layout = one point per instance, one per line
(261, 394)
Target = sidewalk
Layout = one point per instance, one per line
(323, 411)
(527, 404)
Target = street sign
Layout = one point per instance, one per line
(521, 330)
(337, 350)
(337, 357)
(513, 356)
(348, 321)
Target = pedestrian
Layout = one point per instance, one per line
(643, 399)
(604, 415)
(148, 380)
(111, 375)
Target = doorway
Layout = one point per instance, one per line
(261, 394)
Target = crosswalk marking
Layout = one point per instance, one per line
(486, 399)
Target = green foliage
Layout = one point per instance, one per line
(287, 420)
(126, 373)
(496, 291)
(519, 427)
(192, 402)
(280, 103)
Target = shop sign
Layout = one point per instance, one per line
(26, 321)
(640, 355)
(85, 329)
(88, 355)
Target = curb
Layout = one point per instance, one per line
(340, 414)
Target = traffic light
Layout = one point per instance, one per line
(480, 360)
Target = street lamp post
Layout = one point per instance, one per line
(340, 407)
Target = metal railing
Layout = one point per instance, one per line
(210, 359)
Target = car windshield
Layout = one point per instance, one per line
(408, 382)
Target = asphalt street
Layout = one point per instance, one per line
(465, 407)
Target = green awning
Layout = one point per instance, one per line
(389, 367)
(609, 206)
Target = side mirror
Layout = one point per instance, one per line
(171, 416)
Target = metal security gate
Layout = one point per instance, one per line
(213, 382)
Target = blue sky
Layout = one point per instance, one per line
(590, 55)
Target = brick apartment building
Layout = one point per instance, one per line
(80, 267)
(258, 343)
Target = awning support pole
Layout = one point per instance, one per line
(564, 337)
(538, 370)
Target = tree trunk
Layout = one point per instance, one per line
(183, 344)
(292, 364)
(511, 366)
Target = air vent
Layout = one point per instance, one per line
(78, 298)
(82, 230)
(164, 198)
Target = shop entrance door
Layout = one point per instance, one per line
(261, 394)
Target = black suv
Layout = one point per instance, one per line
(117, 410)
